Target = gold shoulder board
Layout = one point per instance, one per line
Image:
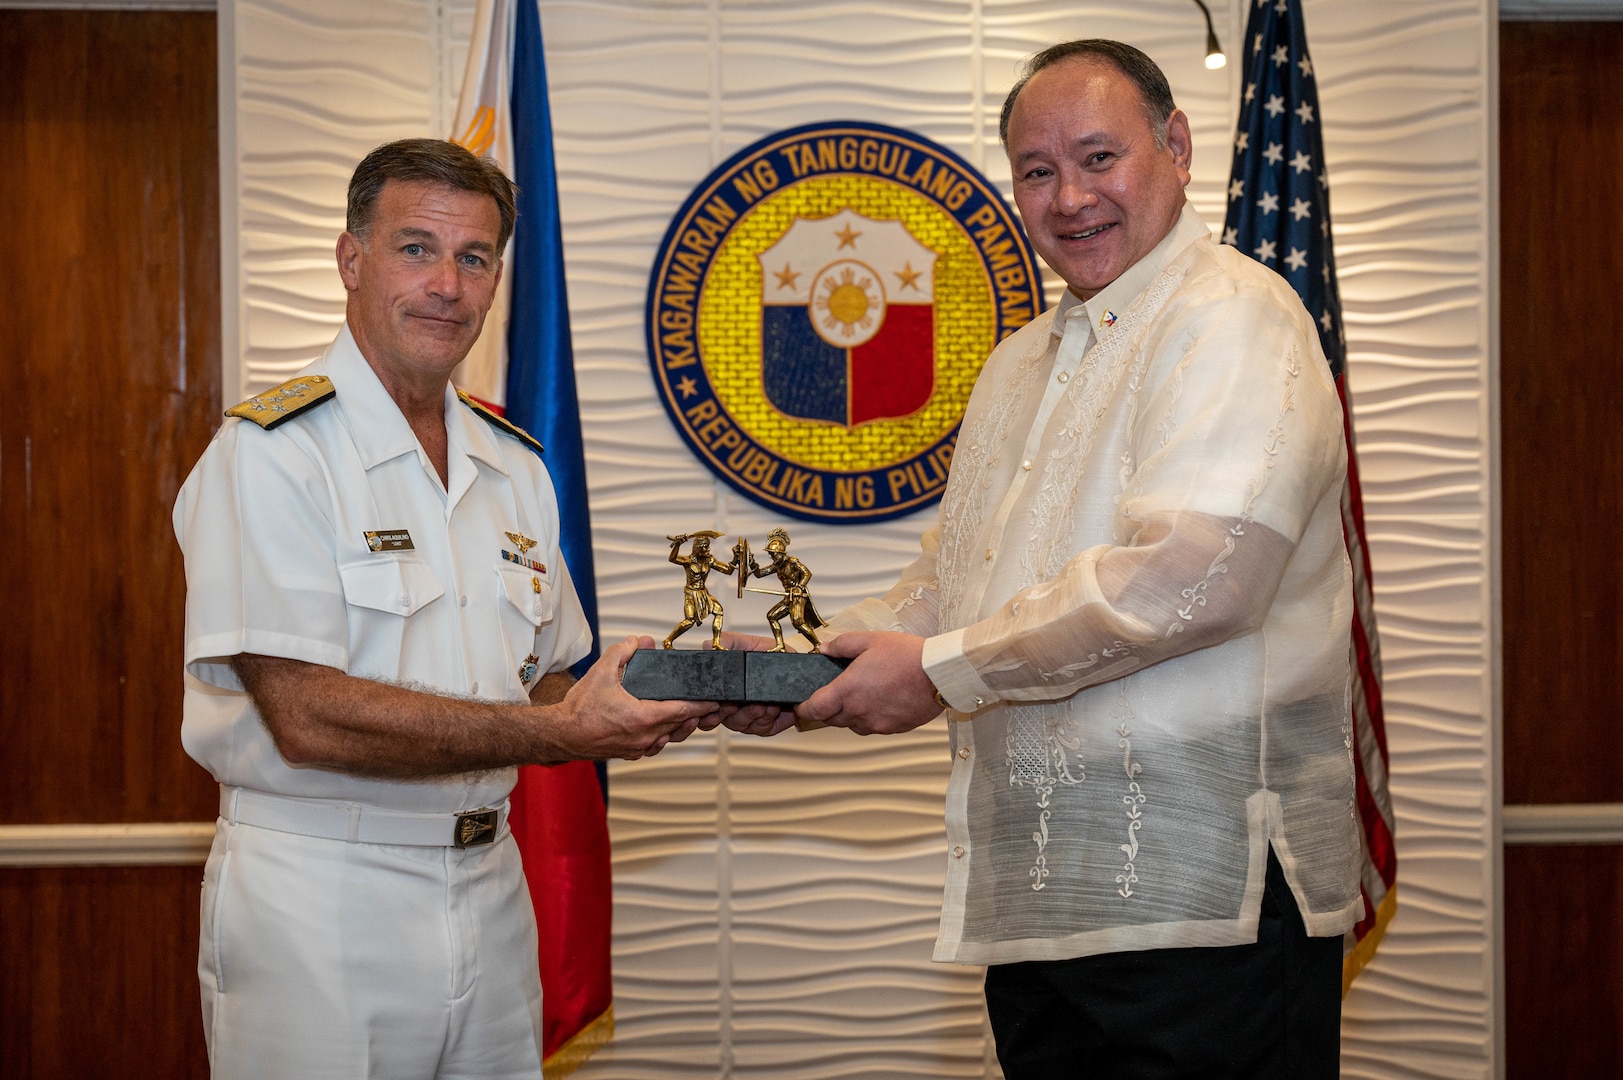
(285, 402)
(500, 421)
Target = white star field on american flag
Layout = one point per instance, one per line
(1279, 202)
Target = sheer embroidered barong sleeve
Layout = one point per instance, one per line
(1236, 446)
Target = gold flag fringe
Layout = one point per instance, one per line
(586, 1042)
(1364, 951)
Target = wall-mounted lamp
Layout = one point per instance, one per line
(1214, 51)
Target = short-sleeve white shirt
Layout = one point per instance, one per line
(275, 525)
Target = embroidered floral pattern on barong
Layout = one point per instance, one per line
(1117, 354)
(1042, 728)
(1134, 799)
(964, 507)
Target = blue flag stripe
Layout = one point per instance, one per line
(541, 394)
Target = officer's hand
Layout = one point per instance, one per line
(597, 719)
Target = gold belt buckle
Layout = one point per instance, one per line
(475, 827)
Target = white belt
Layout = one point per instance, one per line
(357, 823)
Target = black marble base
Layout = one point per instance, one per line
(755, 678)
(685, 675)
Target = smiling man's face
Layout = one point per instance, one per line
(421, 280)
(1094, 190)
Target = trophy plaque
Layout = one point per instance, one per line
(776, 677)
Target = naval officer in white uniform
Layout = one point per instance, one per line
(378, 630)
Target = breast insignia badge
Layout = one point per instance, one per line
(819, 310)
(524, 544)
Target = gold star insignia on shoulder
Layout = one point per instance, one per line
(522, 542)
(277, 406)
(483, 410)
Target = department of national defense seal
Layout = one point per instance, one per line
(818, 312)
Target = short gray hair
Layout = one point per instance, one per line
(1154, 93)
(428, 161)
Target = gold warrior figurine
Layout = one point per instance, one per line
(697, 603)
(794, 577)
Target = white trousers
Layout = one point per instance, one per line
(325, 959)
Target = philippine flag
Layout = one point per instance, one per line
(847, 320)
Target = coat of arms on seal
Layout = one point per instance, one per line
(818, 312)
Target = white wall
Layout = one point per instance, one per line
(776, 902)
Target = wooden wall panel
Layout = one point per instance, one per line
(1561, 394)
(1563, 962)
(100, 974)
(110, 355)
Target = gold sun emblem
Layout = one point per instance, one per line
(848, 303)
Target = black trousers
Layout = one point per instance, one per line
(1266, 1011)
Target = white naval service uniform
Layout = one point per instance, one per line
(343, 935)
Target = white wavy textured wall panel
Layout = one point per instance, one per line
(317, 86)
(1404, 92)
(776, 901)
(818, 870)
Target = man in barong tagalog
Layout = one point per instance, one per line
(1133, 609)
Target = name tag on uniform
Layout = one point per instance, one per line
(390, 540)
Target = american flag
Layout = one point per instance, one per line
(1279, 213)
